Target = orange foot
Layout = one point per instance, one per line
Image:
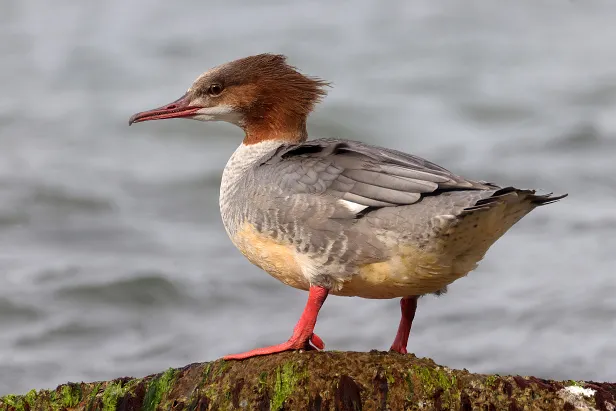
(312, 343)
(398, 348)
(303, 337)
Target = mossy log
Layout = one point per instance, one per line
(321, 381)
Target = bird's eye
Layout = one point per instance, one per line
(215, 90)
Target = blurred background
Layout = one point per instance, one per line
(113, 258)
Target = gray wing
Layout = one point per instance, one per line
(359, 173)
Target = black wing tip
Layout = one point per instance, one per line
(546, 198)
(537, 199)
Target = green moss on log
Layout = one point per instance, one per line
(320, 381)
(287, 378)
(157, 388)
(113, 392)
(71, 395)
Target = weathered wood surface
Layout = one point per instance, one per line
(321, 381)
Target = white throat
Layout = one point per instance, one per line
(219, 113)
(243, 158)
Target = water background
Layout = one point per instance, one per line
(113, 258)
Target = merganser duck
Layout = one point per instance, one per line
(337, 216)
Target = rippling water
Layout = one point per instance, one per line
(113, 259)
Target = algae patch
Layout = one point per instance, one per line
(22, 402)
(206, 372)
(490, 380)
(287, 377)
(93, 395)
(71, 395)
(14, 401)
(157, 388)
(113, 392)
(436, 381)
(408, 377)
(262, 382)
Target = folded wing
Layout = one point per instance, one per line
(359, 173)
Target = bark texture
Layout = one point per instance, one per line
(321, 381)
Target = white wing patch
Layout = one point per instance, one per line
(351, 206)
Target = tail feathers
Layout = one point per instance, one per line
(544, 199)
(528, 196)
(479, 226)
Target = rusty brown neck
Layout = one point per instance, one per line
(290, 130)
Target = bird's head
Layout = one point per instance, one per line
(262, 94)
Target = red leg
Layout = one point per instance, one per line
(408, 306)
(302, 333)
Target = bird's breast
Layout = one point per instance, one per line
(278, 258)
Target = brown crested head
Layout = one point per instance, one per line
(262, 94)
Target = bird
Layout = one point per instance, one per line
(335, 216)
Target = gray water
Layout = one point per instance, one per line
(113, 258)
